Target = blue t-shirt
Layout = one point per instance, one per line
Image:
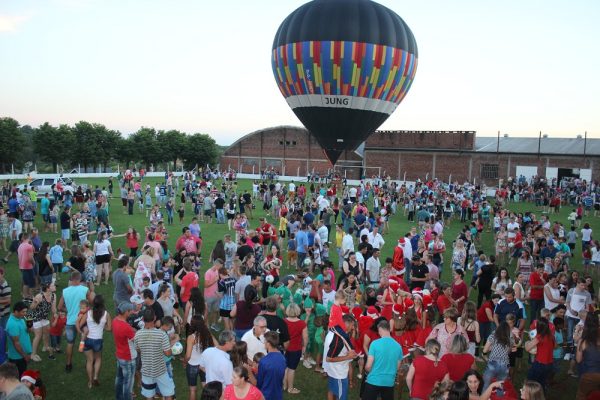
(45, 206)
(72, 296)
(17, 327)
(386, 352)
(503, 308)
(269, 380)
(301, 241)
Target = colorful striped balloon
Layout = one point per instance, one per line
(343, 66)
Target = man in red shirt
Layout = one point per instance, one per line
(189, 242)
(189, 281)
(536, 295)
(266, 231)
(123, 333)
(26, 262)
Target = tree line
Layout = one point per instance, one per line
(94, 145)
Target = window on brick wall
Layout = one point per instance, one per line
(287, 143)
(489, 171)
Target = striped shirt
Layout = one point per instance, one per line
(152, 343)
(5, 292)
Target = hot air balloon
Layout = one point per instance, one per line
(343, 67)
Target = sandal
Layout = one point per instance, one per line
(293, 391)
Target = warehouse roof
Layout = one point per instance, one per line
(528, 145)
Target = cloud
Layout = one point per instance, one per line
(10, 23)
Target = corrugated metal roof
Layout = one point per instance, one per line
(528, 145)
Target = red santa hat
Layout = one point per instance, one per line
(394, 285)
(345, 309)
(401, 241)
(398, 309)
(427, 300)
(357, 311)
(30, 376)
(408, 303)
(372, 312)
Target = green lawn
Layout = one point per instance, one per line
(63, 385)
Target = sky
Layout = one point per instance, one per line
(518, 67)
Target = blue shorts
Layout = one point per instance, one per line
(339, 387)
(163, 383)
(94, 345)
(28, 278)
(65, 234)
(292, 359)
(70, 333)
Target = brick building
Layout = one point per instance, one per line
(408, 155)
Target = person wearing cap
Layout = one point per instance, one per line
(123, 334)
(10, 386)
(398, 260)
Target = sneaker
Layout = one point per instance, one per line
(307, 364)
(52, 357)
(44, 349)
(36, 358)
(312, 361)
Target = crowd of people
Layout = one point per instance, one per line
(324, 285)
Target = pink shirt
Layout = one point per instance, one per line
(210, 275)
(25, 252)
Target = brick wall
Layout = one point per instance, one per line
(293, 151)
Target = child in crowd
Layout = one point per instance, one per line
(81, 323)
(255, 360)
(292, 254)
(57, 328)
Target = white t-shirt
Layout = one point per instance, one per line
(327, 298)
(347, 245)
(586, 235)
(512, 228)
(102, 248)
(217, 365)
(292, 187)
(376, 240)
(373, 266)
(335, 370)
(95, 330)
(323, 233)
(577, 301)
(352, 192)
(255, 344)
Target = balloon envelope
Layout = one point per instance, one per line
(343, 66)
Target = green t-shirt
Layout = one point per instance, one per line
(386, 352)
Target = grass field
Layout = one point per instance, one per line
(72, 385)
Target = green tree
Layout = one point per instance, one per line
(53, 144)
(146, 147)
(125, 151)
(108, 141)
(11, 139)
(85, 146)
(200, 150)
(172, 143)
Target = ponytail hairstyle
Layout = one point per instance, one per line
(433, 347)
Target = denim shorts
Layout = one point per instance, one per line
(65, 234)
(192, 372)
(70, 333)
(28, 278)
(93, 344)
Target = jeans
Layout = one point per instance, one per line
(486, 329)
(539, 372)
(571, 323)
(407, 271)
(220, 216)
(4, 320)
(124, 380)
(494, 371)
(536, 307)
(54, 341)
